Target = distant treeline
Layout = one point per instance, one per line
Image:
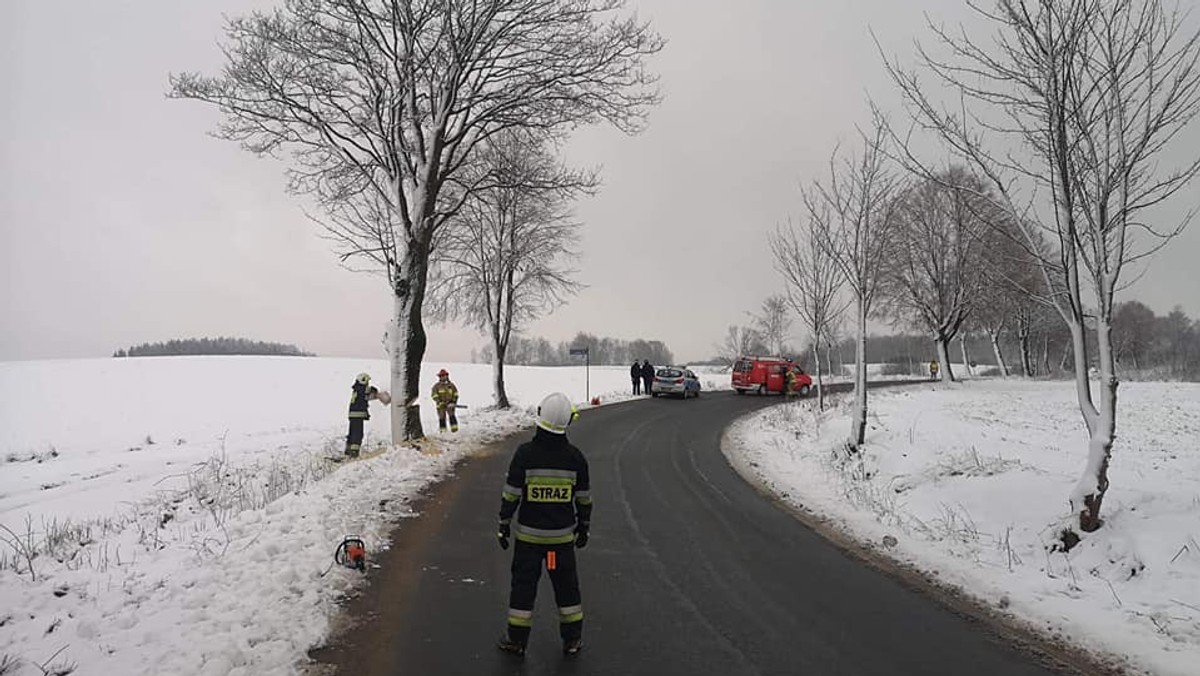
(199, 346)
(524, 351)
(1147, 346)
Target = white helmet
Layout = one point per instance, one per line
(555, 413)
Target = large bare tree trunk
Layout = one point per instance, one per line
(945, 374)
(1026, 358)
(408, 346)
(1089, 492)
(498, 389)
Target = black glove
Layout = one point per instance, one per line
(502, 534)
(581, 535)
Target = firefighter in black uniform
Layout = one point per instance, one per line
(362, 394)
(548, 481)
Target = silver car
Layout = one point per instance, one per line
(675, 380)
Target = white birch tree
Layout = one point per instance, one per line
(383, 104)
(1091, 92)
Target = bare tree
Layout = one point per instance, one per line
(384, 105)
(963, 337)
(1092, 91)
(853, 218)
(994, 315)
(741, 341)
(1176, 344)
(1132, 329)
(936, 261)
(505, 261)
(813, 285)
(1026, 319)
(773, 322)
(832, 338)
(1012, 293)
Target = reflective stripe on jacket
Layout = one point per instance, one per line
(445, 394)
(360, 396)
(549, 490)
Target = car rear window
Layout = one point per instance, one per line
(669, 373)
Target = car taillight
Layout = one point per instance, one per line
(679, 381)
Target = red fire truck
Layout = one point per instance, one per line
(765, 375)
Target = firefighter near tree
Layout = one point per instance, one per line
(361, 394)
(445, 397)
(549, 492)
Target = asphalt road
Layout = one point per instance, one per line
(690, 570)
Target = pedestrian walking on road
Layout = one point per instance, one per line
(635, 374)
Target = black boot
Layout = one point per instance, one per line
(510, 646)
(572, 646)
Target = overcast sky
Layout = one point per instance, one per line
(122, 222)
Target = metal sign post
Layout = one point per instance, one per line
(587, 370)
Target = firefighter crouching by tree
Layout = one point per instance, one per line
(548, 481)
(362, 392)
(445, 396)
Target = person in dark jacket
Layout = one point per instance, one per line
(647, 376)
(548, 483)
(635, 374)
(361, 394)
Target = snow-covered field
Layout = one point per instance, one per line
(175, 515)
(182, 519)
(968, 481)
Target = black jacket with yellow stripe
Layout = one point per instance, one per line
(548, 481)
(362, 394)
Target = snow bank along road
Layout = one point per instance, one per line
(690, 570)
